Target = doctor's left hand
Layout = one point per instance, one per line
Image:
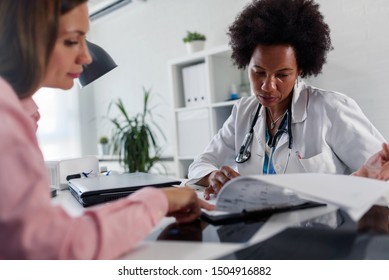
(377, 166)
(217, 179)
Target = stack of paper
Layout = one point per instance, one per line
(353, 194)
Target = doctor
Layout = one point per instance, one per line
(286, 126)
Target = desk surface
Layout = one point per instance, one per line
(149, 249)
(162, 244)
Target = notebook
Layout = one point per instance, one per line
(100, 189)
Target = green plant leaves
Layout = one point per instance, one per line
(193, 36)
(134, 138)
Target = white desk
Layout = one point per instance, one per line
(154, 250)
(173, 250)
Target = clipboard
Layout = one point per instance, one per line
(245, 199)
(222, 218)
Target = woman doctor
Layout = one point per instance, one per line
(286, 126)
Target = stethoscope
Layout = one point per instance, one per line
(244, 153)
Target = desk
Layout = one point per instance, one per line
(148, 249)
(284, 228)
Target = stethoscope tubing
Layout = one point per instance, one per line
(244, 152)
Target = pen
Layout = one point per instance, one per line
(79, 175)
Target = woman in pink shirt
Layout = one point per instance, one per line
(42, 43)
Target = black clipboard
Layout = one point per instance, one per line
(255, 215)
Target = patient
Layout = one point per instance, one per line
(42, 43)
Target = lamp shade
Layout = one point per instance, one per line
(102, 63)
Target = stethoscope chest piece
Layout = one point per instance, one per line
(244, 151)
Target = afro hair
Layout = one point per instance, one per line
(297, 23)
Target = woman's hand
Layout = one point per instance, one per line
(184, 204)
(377, 166)
(217, 179)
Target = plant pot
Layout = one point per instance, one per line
(195, 46)
(104, 149)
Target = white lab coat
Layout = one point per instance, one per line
(330, 135)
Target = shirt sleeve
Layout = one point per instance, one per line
(355, 139)
(32, 228)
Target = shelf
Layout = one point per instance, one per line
(224, 104)
(186, 158)
(223, 51)
(203, 81)
(185, 109)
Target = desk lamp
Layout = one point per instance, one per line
(102, 63)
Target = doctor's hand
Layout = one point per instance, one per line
(217, 179)
(377, 166)
(184, 204)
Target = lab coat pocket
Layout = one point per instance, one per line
(325, 162)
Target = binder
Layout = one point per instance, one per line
(195, 85)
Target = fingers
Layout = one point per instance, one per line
(215, 182)
(217, 179)
(187, 215)
(207, 193)
(223, 175)
(180, 198)
(213, 188)
(228, 172)
(192, 213)
(384, 172)
(385, 151)
(205, 205)
(184, 204)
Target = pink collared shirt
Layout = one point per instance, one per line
(31, 109)
(31, 228)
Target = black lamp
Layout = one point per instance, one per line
(102, 63)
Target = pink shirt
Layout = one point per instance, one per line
(31, 228)
(31, 109)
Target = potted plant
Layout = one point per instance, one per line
(103, 145)
(194, 41)
(134, 138)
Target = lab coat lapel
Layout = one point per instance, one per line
(299, 103)
(299, 112)
(260, 133)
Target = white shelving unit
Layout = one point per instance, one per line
(199, 117)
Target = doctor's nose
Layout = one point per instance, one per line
(269, 84)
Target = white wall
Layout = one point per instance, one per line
(143, 37)
(359, 64)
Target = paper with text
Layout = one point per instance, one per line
(354, 194)
(250, 194)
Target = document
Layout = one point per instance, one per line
(247, 198)
(276, 193)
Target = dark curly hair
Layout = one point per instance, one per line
(298, 23)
